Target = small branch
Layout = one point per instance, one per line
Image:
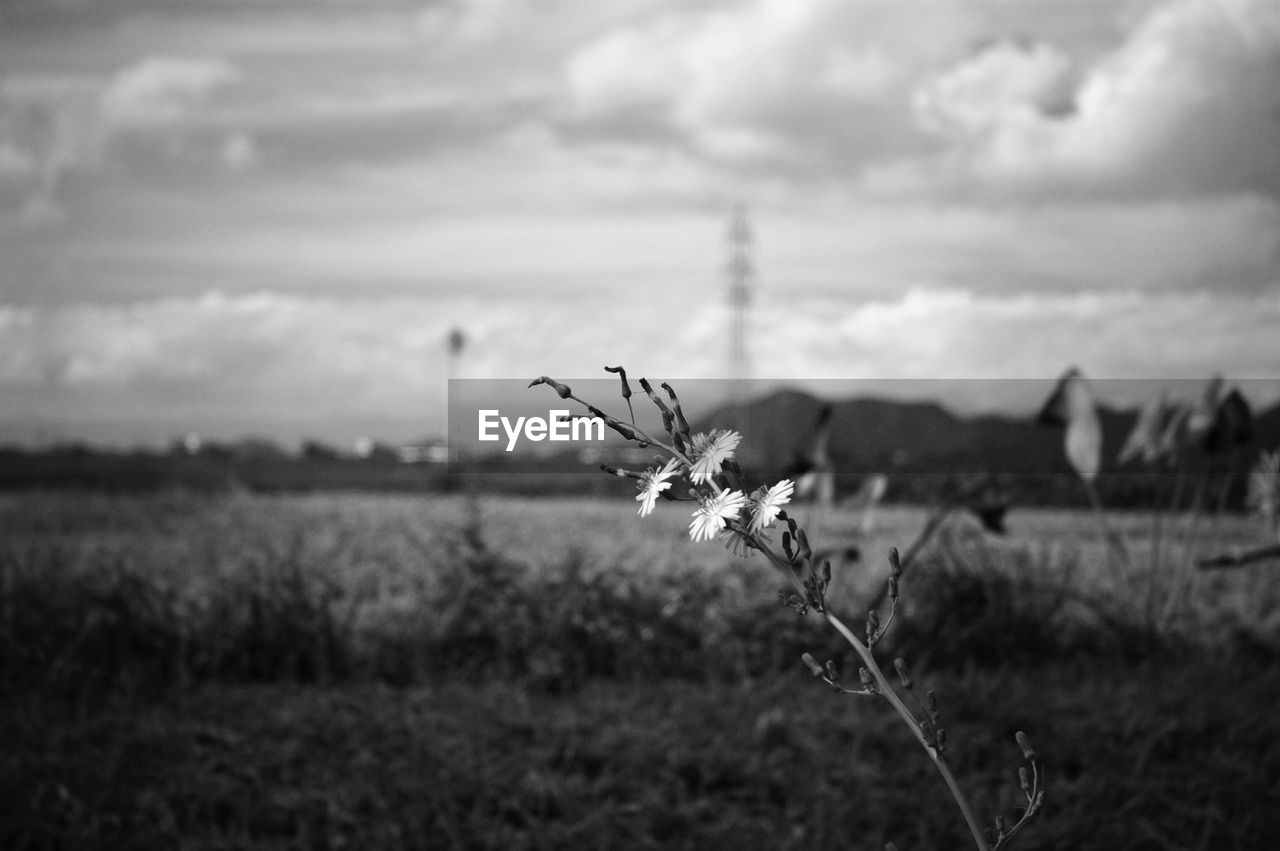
(1239, 558)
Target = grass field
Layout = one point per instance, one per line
(437, 672)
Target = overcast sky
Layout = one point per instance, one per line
(264, 216)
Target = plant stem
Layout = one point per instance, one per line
(886, 690)
(1112, 539)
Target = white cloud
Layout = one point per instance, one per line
(293, 362)
(160, 90)
(1186, 105)
(1006, 83)
(795, 84)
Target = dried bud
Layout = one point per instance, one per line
(678, 442)
(803, 540)
(893, 587)
(811, 664)
(622, 373)
(942, 738)
(786, 546)
(562, 389)
(832, 673)
(623, 474)
(867, 680)
(895, 563)
(617, 426)
(826, 571)
(1028, 752)
(653, 397)
(1001, 824)
(931, 701)
(901, 667)
(873, 625)
(675, 403)
(1024, 781)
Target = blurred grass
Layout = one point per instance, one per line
(408, 672)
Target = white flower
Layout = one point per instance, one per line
(652, 483)
(769, 503)
(710, 451)
(711, 515)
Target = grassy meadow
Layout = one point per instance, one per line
(431, 671)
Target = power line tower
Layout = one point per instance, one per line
(741, 270)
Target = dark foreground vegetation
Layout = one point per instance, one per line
(435, 673)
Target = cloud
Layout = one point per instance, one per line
(161, 90)
(56, 125)
(1186, 105)
(293, 363)
(791, 84)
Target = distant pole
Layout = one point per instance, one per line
(457, 342)
(741, 269)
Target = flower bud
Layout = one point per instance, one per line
(812, 664)
(562, 389)
(1028, 752)
(901, 667)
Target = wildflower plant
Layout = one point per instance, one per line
(700, 468)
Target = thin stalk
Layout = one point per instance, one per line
(904, 713)
(1182, 578)
(1115, 542)
(931, 526)
(886, 691)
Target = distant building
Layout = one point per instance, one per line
(426, 452)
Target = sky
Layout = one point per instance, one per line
(264, 217)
